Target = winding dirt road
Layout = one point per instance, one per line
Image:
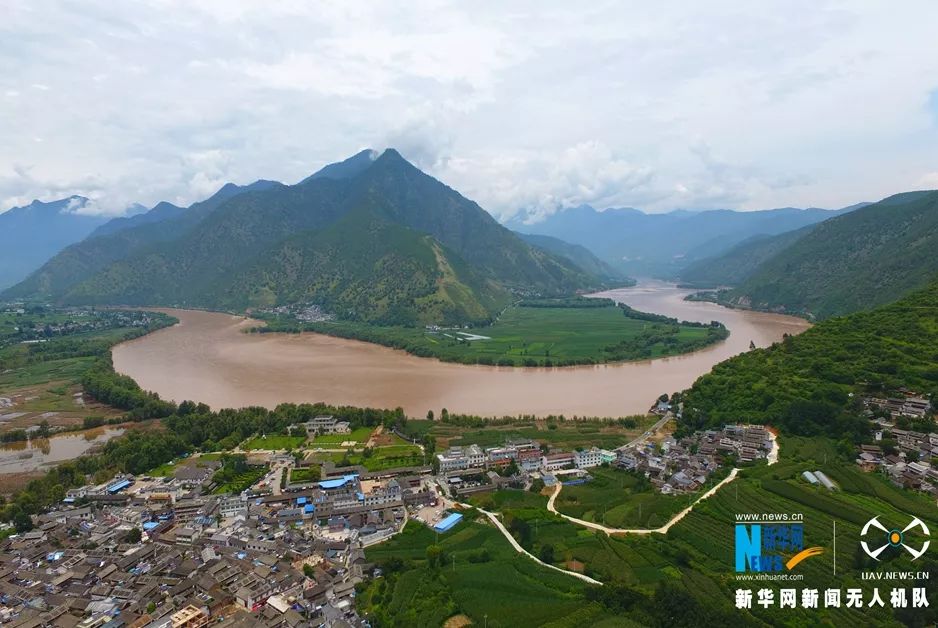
(771, 458)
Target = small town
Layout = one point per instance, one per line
(906, 456)
(152, 551)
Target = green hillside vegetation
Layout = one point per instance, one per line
(84, 259)
(375, 240)
(868, 257)
(368, 269)
(579, 255)
(622, 499)
(803, 385)
(739, 263)
(540, 332)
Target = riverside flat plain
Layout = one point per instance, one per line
(208, 358)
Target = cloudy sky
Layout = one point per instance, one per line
(536, 105)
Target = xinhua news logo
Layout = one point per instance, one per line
(771, 547)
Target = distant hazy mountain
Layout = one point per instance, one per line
(579, 255)
(31, 234)
(120, 239)
(741, 261)
(662, 244)
(371, 238)
(867, 257)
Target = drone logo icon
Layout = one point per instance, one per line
(894, 538)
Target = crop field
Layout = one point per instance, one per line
(44, 377)
(569, 434)
(618, 499)
(479, 575)
(380, 458)
(697, 555)
(273, 441)
(538, 336)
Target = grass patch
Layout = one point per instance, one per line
(359, 435)
(273, 441)
(305, 474)
(242, 481)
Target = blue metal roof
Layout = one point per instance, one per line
(118, 486)
(448, 522)
(308, 508)
(300, 501)
(336, 483)
(149, 525)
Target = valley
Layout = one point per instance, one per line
(209, 358)
(534, 332)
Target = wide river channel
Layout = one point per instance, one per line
(207, 358)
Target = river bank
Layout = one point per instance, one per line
(208, 358)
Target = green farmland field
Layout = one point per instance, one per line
(379, 459)
(568, 434)
(693, 565)
(539, 336)
(479, 575)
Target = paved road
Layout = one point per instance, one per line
(649, 432)
(771, 458)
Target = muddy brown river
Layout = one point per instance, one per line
(207, 358)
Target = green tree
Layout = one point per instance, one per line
(134, 535)
(434, 555)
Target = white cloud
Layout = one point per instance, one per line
(929, 181)
(537, 105)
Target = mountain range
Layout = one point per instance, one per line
(31, 234)
(870, 256)
(740, 262)
(661, 245)
(372, 238)
(579, 255)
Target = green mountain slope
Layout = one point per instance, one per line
(579, 255)
(867, 257)
(803, 384)
(366, 268)
(119, 239)
(350, 240)
(740, 262)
